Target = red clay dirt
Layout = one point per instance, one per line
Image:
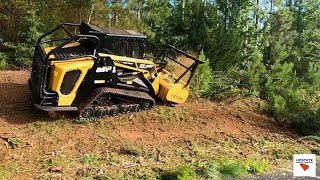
(163, 126)
(236, 118)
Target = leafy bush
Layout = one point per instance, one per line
(228, 84)
(202, 78)
(23, 51)
(3, 60)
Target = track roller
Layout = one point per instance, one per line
(114, 110)
(136, 107)
(125, 108)
(145, 104)
(87, 112)
(101, 112)
(107, 101)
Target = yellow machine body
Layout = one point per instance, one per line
(163, 83)
(58, 72)
(171, 91)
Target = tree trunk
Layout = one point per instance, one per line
(225, 16)
(90, 14)
(257, 12)
(114, 14)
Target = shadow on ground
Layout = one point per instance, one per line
(16, 105)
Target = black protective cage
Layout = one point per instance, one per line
(41, 68)
(117, 41)
(167, 54)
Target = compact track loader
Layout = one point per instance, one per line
(102, 72)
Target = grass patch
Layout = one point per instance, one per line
(181, 173)
(8, 171)
(209, 171)
(173, 114)
(90, 159)
(255, 165)
(3, 173)
(228, 168)
(56, 161)
(15, 142)
(131, 150)
(219, 169)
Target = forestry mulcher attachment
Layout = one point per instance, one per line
(102, 72)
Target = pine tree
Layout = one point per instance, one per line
(202, 78)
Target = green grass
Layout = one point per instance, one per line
(219, 169)
(181, 173)
(90, 159)
(3, 173)
(229, 168)
(15, 142)
(255, 165)
(209, 171)
(8, 171)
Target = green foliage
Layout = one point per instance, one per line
(229, 168)
(202, 78)
(257, 74)
(3, 60)
(255, 165)
(181, 173)
(3, 172)
(24, 51)
(231, 83)
(90, 159)
(222, 168)
(210, 171)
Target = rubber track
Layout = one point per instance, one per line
(126, 94)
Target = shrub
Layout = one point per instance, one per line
(293, 99)
(228, 84)
(3, 60)
(23, 51)
(202, 78)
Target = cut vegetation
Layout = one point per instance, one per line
(198, 140)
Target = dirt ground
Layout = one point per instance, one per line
(38, 145)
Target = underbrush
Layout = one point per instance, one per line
(222, 168)
(290, 99)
